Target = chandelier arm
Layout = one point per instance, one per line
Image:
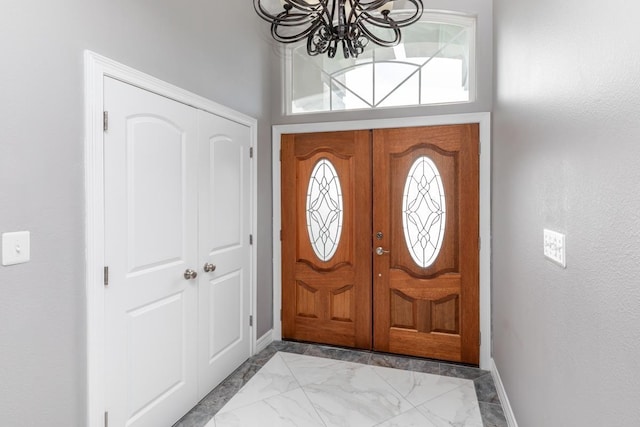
(371, 5)
(294, 20)
(307, 8)
(307, 14)
(321, 39)
(319, 9)
(293, 37)
(397, 36)
(262, 12)
(355, 45)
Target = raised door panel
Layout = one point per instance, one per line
(150, 240)
(326, 286)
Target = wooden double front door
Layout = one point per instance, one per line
(380, 240)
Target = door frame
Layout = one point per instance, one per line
(483, 119)
(96, 68)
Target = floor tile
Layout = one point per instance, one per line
(458, 407)
(219, 396)
(194, 419)
(461, 371)
(339, 354)
(418, 387)
(390, 361)
(274, 378)
(486, 389)
(493, 415)
(291, 409)
(317, 370)
(292, 346)
(345, 393)
(411, 418)
(264, 356)
(326, 388)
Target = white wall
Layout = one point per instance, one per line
(567, 157)
(484, 63)
(215, 49)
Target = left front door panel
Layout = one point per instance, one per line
(326, 211)
(150, 241)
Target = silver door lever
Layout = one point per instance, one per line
(381, 251)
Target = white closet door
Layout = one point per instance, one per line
(224, 228)
(151, 239)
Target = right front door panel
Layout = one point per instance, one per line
(425, 288)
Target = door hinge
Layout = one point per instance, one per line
(251, 239)
(280, 155)
(251, 152)
(250, 320)
(281, 235)
(105, 121)
(106, 275)
(479, 243)
(480, 338)
(106, 419)
(281, 314)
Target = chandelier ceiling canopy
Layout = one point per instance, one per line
(327, 24)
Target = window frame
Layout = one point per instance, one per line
(470, 21)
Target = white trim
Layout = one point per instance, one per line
(484, 119)
(264, 341)
(96, 68)
(502, 395)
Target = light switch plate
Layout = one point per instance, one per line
(16, 247)
(554, 247)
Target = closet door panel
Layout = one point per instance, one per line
(224, 228)
(150, 240)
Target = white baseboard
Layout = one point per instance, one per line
(264, 341)
(502, 395)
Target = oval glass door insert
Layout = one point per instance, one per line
(424, 212)
(324, 209)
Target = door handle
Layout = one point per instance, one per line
(190, 274)
(381, 251)
(209, 268)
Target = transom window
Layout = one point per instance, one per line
(434, 64)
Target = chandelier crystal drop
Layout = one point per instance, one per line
(327, 24)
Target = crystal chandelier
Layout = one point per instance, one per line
(329, 23)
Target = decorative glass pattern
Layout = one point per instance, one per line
(424, 211)
(324, 209)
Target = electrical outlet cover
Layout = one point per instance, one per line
(16, 247)
(554, 247)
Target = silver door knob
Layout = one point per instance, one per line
(190, 274)
(208, 268)
(381, 251)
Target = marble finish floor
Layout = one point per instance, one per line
(295, 384)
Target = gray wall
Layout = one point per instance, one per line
(566, 157)
(212, 48)
(484, 63)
